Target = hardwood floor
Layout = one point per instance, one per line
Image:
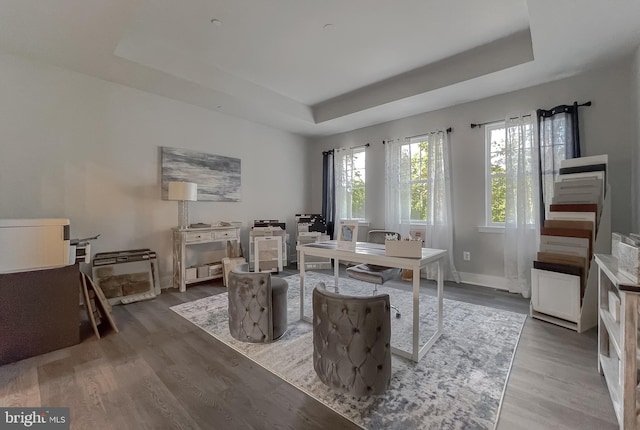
(161, 371)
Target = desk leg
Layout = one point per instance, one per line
(415, 350)
(302, 271)
(336, 274)
(440, 294)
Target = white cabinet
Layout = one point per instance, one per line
(190, 240)
(617, 340)
(273, 242)
(556, 294)
(268, 253)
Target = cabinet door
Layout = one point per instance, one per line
(556, 294)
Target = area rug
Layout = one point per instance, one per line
(458, 384)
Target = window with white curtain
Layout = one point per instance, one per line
(417, 153)
(418, 192)
(495, 187)
(350, 179)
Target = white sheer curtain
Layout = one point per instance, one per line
(398, 186)
(438, 222)
(343, 182)
(522, 231)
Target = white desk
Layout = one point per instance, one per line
(375, 254)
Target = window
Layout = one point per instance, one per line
(417, 153)
(351, 183)
(496, 184)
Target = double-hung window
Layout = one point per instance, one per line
(350, 183)
(496, 181)
(419, 181)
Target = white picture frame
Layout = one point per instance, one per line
(347, 235)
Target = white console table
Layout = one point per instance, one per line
(185, 237)
(618, 353)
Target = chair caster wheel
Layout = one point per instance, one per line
(397, 315)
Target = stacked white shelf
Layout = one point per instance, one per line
(618, 354)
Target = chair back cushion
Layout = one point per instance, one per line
(351, 335)
(250, 308)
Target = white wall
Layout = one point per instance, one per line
(73, 146)
(605, 128)
(635, 96)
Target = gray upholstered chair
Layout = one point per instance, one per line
(351, 335)
(257, 305)
(372, 273)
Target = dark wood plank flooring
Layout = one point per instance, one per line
(161, 371)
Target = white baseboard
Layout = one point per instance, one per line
(497, 282)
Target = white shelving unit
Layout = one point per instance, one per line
(268, 249)
(185, 238)
(618, 353)
(312, 262)
(268, 253)
(556, 297)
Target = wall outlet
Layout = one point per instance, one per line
(466, 255)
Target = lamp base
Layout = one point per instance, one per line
(183, 214)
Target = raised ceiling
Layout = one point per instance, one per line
(275, 62)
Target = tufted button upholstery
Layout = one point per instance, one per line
(257, 305)
(350, 352)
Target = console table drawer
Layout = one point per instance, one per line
(199, 236)
(225, 234)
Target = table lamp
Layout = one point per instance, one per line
(183, 192)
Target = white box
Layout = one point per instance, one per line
(614, 306)
(30, 244)
(629, 261)
(191, 273)
(403, 248)
(203, 271)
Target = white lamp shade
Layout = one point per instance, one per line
(183, 191)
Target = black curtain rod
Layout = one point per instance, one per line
(366, 145)
(448, 130)
(498, 120)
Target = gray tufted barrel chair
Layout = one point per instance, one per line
(257, 305)
(351, 335)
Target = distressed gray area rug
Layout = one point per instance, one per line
(458, 384)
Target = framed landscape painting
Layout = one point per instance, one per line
(218, 177)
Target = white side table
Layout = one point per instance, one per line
(185, 237)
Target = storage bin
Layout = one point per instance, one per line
(191, 273)
(403, 248)
(215, 269)
(203, 271)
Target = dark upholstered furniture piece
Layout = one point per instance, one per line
(257, 305)
(372, 273)
(38, 312)
(351, 335)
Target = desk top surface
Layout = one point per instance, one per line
(369, 253)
